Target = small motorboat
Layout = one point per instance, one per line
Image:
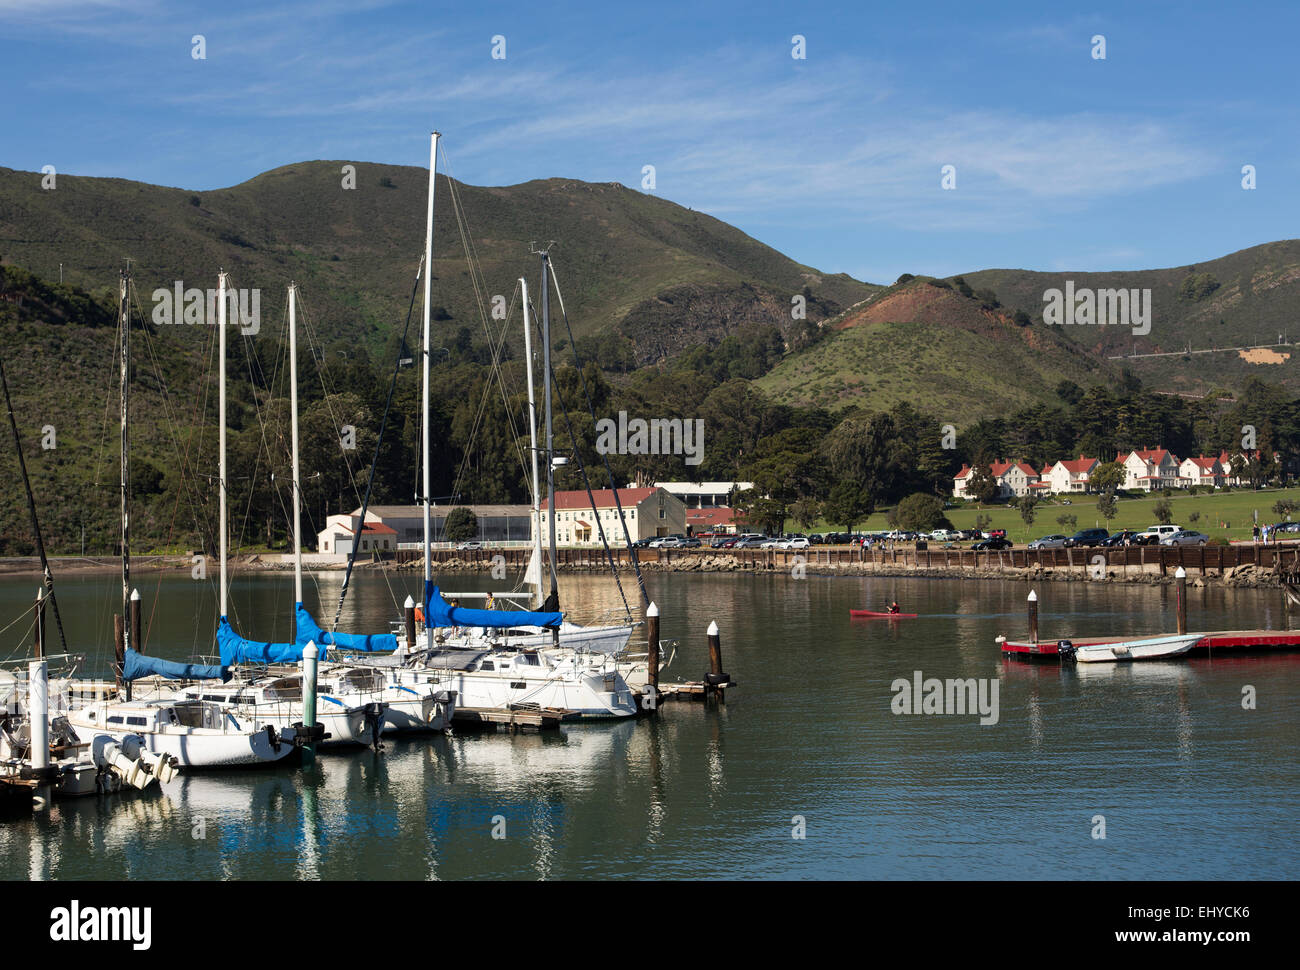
(1145, 648)
(874, 614)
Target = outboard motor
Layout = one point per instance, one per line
(1066, 651)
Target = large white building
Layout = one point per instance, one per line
(649, 512)
(704, 495)
(404, 525)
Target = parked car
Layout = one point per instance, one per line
(1185, 537)
(945, 535)
(690, 542)
(750, 541)
(798, 542)
(996, 534)
(1158, 533)
(1087, 537)
(1048, 542)
(972, 534)
(995, 543)
(643, 543)
(469, 544)
(722, 542)
(1125, 537)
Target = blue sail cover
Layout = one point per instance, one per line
(438, 612)
(137, 665)
(235, 649)
(309, 630)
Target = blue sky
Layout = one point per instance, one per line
(1062, 161)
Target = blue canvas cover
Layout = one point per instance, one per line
(235, 649)
(138, 665)
(309, 630)
(438, 612)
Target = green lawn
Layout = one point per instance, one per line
(1221, 514)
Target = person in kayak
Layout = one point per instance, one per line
(893, 607)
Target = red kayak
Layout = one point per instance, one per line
(892, 616)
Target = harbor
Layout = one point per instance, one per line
(712, 790)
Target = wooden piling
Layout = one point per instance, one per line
(408, 612)
(136, 641)
(1033, 616)
(652, 645)
(1180, 589)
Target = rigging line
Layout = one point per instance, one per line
(306, 317)
(31, 508)
(613, 485)
(392, 388)
(577, 453)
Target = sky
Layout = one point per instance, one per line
(1061, 160)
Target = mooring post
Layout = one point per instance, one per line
(715, 677)
(40, 622)
(1033, 616)
(134, 641)
(652, 645)
(408, 611)
(309, 655)
(1180, 588)
(119, 648)
(38, 695)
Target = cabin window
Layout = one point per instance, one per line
(91, 715)
(137, 721)
(487, 665)
(530, 659)
(518, 685)
(114, 720)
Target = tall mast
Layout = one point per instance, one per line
(426, 483)
(293, 426)
(553, 600)
(221, 434)
(532, 438)
(125, 350)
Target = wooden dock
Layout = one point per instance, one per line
(1233, 641)
(511, 719)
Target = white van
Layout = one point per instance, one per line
(1161, 532)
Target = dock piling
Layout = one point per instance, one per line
(38, 702)
(408, 611)
(652, 645)
(716, 677)
(1180, 589)
(1033, 616)
(309, 655)
(134, 640)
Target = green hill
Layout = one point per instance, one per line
(1239, 300)
(355, 251)
(931, 346)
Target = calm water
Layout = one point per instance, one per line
(1190, 784)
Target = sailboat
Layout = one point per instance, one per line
(485, 668)
(192, 733)
(355, 704)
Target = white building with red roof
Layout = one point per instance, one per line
(1013, 478)
(1150, 469)
(1201, 471)
(649, 512)
(1068, 477)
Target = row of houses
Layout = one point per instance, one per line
(1147, 470)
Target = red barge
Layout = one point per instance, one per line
(1237, 641)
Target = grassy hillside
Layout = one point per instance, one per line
(1242, 299)
(355, 251)
(930, 345)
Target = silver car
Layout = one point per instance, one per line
(1048, 542)
(1185, 537)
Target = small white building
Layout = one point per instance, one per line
(1068, 477)
(1201, 471)
(704, 495)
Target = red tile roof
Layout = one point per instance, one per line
(376, 528)
(715, 516)
(604, 498)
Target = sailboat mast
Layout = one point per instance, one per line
(532, 439)
(293, 427)
(553, 600)
(125, 350)
(221, 434)
(426, 480)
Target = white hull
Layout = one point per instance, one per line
(1148, 648)
(587, 696)
(230, 742)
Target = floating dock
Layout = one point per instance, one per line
(512, 719)
(1234, 641)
